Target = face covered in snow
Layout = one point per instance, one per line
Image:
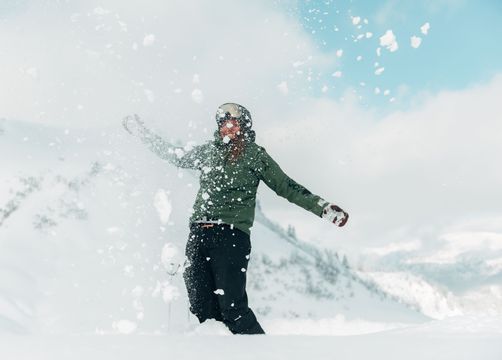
(229, 130)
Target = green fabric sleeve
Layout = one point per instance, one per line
(272, 175)
(175, 155)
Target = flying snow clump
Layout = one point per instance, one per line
(415, 41)
(149, 40)
(388, 40)
(425, 28)
(162, 205)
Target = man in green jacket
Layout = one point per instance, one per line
(231, 167)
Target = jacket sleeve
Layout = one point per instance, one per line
(272, 175)
(178, 156)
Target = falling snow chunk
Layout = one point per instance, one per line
(415, 41)
(149, 40)
(324, 89)
(162, 205)
(425, 28)
(369, 35)
(197, 96)
(377, 91)
(219, 292)
(379, 71)
(226, 139)
(125, 326)
(205, 196)
(359, 58)
(386, 92)
(339, 52)
(356, 20)
(379, 51)
(337, 74)
(283, 88)
(243, 270)
(388, 40)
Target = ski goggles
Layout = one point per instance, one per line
(228, 112)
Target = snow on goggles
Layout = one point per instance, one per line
(228, 112)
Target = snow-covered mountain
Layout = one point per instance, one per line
(90, 222)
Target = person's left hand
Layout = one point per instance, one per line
(335, 214)
(134, 125)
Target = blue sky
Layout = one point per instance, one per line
(460, 50)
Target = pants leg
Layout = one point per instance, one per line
(199, 278)
(229, 255)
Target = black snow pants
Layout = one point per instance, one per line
(215, 277)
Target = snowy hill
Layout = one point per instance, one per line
(90, 221)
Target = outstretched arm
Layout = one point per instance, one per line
(175, 155)
(270, 172)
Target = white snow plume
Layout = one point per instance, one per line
(388, 40)
(162, 205)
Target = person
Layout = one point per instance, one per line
(218, 248)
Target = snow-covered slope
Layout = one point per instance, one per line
(90, 221)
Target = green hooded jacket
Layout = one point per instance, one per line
(228, 189)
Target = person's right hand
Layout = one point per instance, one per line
(134, 125)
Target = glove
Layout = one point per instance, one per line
(335, 214)
(134, 125)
